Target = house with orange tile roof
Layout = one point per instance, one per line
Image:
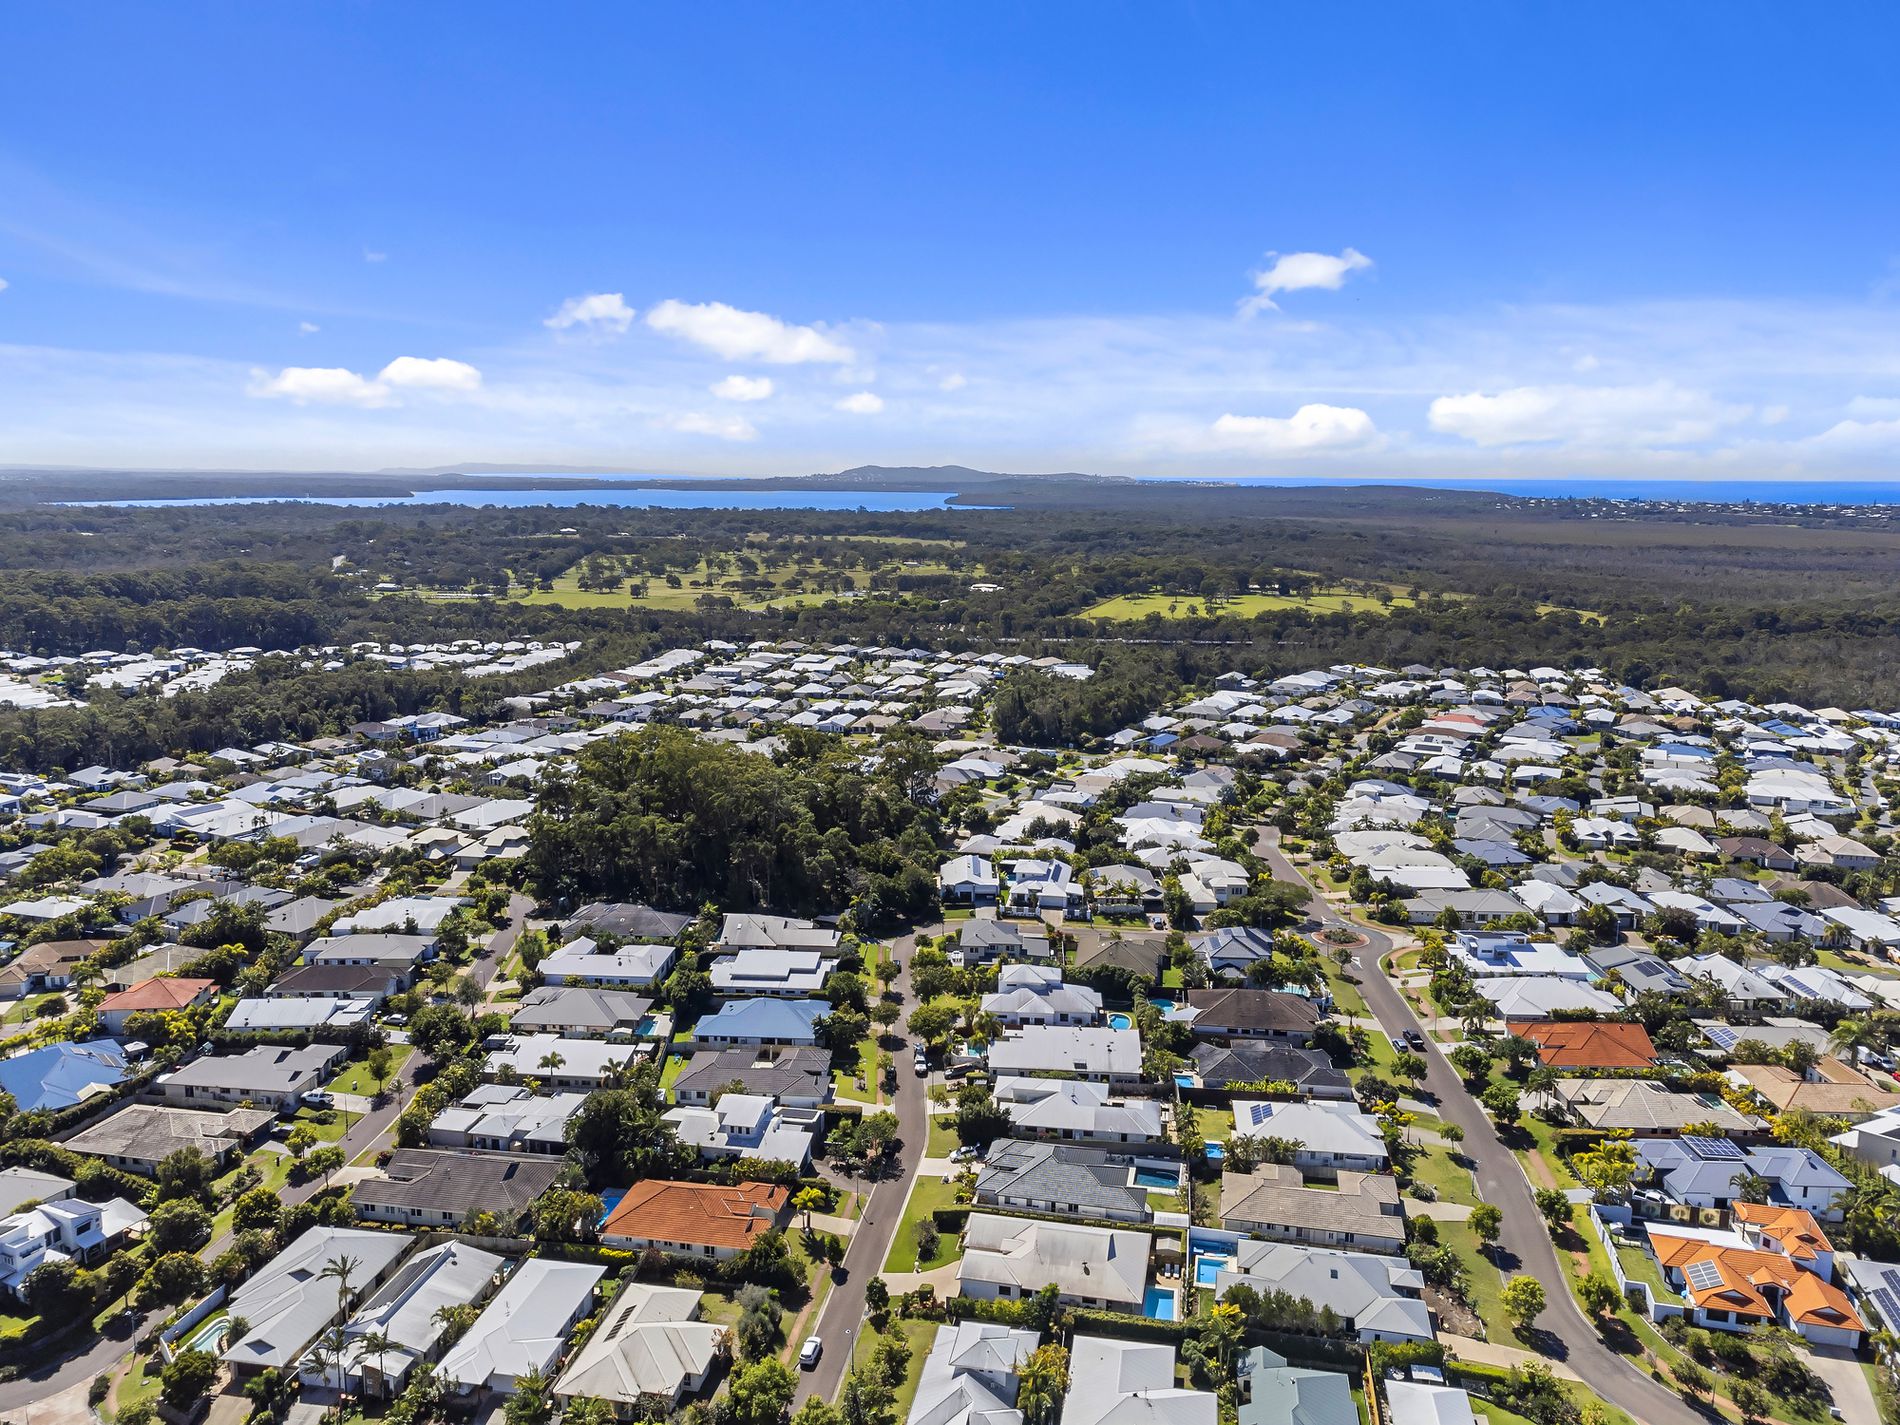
(1729, 1282)
(166, 992)
(1588, 1043)
(1791, 1231)
(704, 1220)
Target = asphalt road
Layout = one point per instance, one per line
(843, 1311)
(104, 1352)
(1524, 1238)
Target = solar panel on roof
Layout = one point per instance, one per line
(1714, 1150)
(1722, 1036)
(1704, 1276)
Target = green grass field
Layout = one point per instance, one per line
(931, 1193)
(1324, 601)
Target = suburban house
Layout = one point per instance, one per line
(1332, 1137)
(401, 1323)
(556, 1062)
(270, 1075)
(1011, 1258)
(1123, 1382)
(64, 1231)
(288, 1302)
(1249, 1062)
(140, 1136)
(968, 880)
(153, 996)
(791, 1078)
(983, 942)
(582, 1012)
(773, 932)
(753, 1022)
(1252, 1014)
(1587, 1043)
(1363, 1213)
(523, 1329)
(1644, 1108)
(507, 1118)
(1083, 1052)
(970, 1375)
(1275, 1393)
(1232, 949)
(1732, 1282)
(434, 1187)
(649, 1346)
(1379, 1298)
(1710, 1172)
(1078, 1111)
(1036, 994)
(631, 967)
(783, 974)
(62, 1075)
(745, 1125)
(1064, 1181)
(694, 1219)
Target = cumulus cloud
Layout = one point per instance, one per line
(320, 386)
(1659, 413)
(308, 328)
(3, 284)
(1315, 426)
(725, 427)
(955, 381)
(1300, 272)
(339, 386)
(743, 388)
(602, 312)
(746, 336)
(369, 256)
(431, 373)
(862, 403)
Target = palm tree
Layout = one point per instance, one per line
(1851, 1036)
(340, 1270)
(588, 1410)
(377, 1344)
(1041, 1382)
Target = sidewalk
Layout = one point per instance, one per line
(1490, 1353)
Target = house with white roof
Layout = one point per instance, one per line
(1012, 1258)
(523, 1329)
(970, 1375)
(1333, 1137)
(743, 1125)
(1114, 1382)
(650, 1344)
(782, 974)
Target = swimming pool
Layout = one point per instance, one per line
(1207, 1269)
(1120, 1021)
(1155, 1178)
(210, 1335)
(1158, 1303)
(1215, 1152)
(1184, 1081)
(1166, 1006)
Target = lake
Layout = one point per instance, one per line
(872, 501)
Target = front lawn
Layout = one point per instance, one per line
(922, 1335)
(943, 1136)
(356, 1077)
(930, 1193)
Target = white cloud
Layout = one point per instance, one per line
(1300, 272)
(3, 284)
(320, 386)
(369, 256)
(725, 427)
(430, 373)
(746, 336)
(743, 388)
(955, 381)
(339, 386)
(308, 328)
(597, 311)
(1660, 413)
(861, 403)
(1315, 426)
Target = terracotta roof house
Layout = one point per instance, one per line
(694, 1219)
(1588, 1043)
(1732, 1288)
(1831, 1088)
(164, 993)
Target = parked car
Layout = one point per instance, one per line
(319, 1098)
(1415, 1041)
(809, 1353)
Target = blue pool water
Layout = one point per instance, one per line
(1158, 1303)
(1215, 1152)
(1155, 1178)
(1166, 1006)
(1207, 1270)
(644, 1027)
(609, 1200)
(1185, 1081)
(1120, 1021)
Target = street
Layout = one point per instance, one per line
(1501, 1180)
(844, 1309)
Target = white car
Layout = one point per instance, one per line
(809, 1353)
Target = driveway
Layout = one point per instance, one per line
(1500, 1180)
(1847, 1383)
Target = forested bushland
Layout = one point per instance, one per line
(1803, 609)
(665, 817)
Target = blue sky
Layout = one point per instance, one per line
(1406, 240)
